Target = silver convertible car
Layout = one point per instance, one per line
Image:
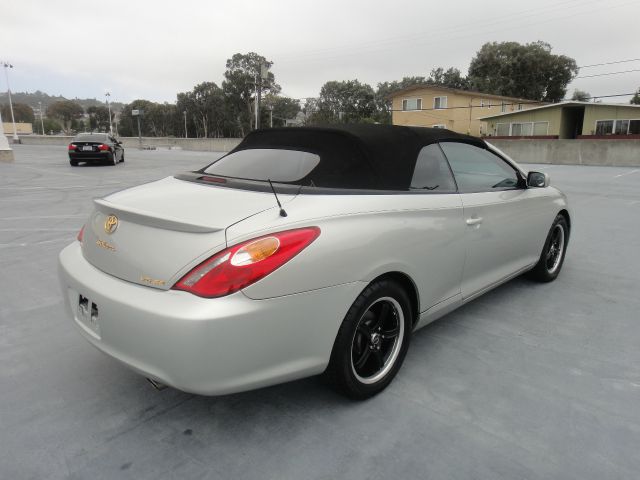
(306, 251)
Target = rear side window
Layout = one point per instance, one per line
(478, 170)
(276, 165)
(432, 171)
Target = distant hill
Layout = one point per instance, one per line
(32, 100)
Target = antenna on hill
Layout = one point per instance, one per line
(282, 212)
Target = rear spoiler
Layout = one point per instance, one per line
(152, 220)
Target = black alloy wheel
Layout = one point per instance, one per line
(372, 341)
(553, 253)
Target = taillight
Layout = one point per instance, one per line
(239, 266)
(72, 146)
(80, 234)
(102, 147)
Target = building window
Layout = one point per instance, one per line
(503, 107)
(520, 106)
(618, 127)
(439, 125)
(489, 104)
(502, 129)
(411, 104)
(621, 127)
(604, 127)
(521, 129)
(481, 103)
(439, 103)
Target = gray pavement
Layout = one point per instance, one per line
(528, 382)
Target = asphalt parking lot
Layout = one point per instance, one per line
(528, 382)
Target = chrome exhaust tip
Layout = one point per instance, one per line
(157, 385)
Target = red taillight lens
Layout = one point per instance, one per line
(72, 146)
(80, 234)
(103, 147)
(239, 266)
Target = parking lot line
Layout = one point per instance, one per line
(627, 173)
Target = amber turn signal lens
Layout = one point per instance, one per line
(255, 251)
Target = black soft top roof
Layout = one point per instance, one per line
(357, 156)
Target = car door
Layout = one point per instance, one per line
(439, 251)
(117, 149)
(501, 215)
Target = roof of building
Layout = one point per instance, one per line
(420, 86)
(376, 157)
(568, 103)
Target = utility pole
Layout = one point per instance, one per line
(262, 73)
(107, 95)
(41, 120)
(186, 134)
(7, 66)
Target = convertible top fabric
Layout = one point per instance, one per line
(377, 157)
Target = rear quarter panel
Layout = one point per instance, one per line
(363, 237)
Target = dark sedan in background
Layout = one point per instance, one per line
(95, 147)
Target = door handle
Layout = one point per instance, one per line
(474, 221)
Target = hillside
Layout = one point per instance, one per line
(32, 100)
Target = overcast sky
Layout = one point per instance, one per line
(152, 50)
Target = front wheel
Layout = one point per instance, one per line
(553, 253)
(372, 341)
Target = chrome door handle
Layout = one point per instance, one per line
(474, 221)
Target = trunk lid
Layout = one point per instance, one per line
(154, 233)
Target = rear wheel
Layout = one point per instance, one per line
(112, 159)
(372, 341)
(73, 163)
(553, 253)
(122, 157)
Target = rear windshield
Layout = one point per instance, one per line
(90, 137)
(277, 165)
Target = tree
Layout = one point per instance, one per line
(239, 87)
(22, 112)
(635, 100)
(528, 71)
(51, 126)
(128, 124)
(451, 78)
(580, 96)
(98, 118)
(66, 111)
(280, 108)
(205, 107)
(345, 102)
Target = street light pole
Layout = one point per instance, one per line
(41, 120)
(107, 95)
(13, 119)
(186, 134)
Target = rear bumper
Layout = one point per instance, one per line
(205, 346)
(90, 156)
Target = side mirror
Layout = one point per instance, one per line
(538, 180)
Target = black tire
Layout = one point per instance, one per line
(112, 159)
(366, 355)
(122, 157)
(73, 163)
(553, 253)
